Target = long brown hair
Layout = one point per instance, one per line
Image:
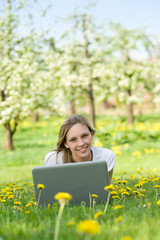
(68, 123)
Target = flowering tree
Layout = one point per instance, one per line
(81, 56)
(156, 80)
(63, 70)
(152, 83)
(127, 75)
(20, 89)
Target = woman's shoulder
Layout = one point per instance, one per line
(104, 154)
(99, 150)
(52, 158)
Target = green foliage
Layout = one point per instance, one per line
(136, 161)
(129, 134)
(25, 220)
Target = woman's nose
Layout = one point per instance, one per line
(80, 142)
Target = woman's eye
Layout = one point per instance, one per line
(72, 140)
(85, 135)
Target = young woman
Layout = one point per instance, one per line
(75, 145)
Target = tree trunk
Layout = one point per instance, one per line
(35, 117)
(8, 145)
(130, 113)
(72, 107)
(130, 108)
(89, 87)
(91, 104)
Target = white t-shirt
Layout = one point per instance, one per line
(98, 154)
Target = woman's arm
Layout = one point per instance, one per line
(110, 175)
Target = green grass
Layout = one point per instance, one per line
(140, 215)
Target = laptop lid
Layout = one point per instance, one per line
(78, 179)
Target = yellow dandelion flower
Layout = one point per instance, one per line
(7, 184)
(94, 196)
(148, 151)
(143, 190)
(118, 219)
(25, 124)
(156, 179)
(28, 204)
(27, 212)
(117, 147)
(70, 223)
(143, 182)
(118, 207)
(98, 214)
(139, 170)
(138, 185)
(109, 187)
(4, 190)
(156, 186)
(117, 152)
(126, 145)
(158, 202)
(141, 195)
(128, 188)
(115, 197)
(40, 186)
(137, 154)
(63, 195)
(126, 238)
(17, 203)
(2, 200)
(98, 143)
(125, 193)
(136, 192)
(10, 196)
(13, 185)
(88, 226)
(124, 182)
(122, 190)
(113, 193)
(25, 183)
(132, 177)
(157, 150)
(118, 182)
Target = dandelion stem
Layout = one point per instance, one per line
(39, 197)
(90, 201)
(93, 203)
(156, 194)
(58, 220)
(105, 209)
(83, 207)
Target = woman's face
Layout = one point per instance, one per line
(79, 141)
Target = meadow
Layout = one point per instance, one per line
(135, 207)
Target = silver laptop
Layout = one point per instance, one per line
(78, 179)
